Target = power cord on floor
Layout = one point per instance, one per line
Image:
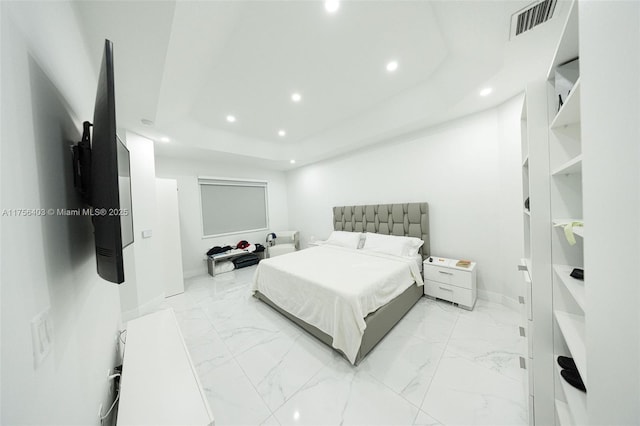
(115, 401)
(115, 377)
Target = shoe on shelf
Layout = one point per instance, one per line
(574, 379)
(567, 363)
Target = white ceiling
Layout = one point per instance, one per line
(186, 65)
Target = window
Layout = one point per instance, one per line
(232, 206)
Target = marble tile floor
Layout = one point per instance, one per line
(440, 365)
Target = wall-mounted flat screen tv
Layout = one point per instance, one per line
(103, 178)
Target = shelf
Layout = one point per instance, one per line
(577, 230)
(568, 46)
(575, 287)
(573, 166)
(570, 111)
(576, 400)
(564, 415)
(572, 328)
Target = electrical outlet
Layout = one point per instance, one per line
(41, 336)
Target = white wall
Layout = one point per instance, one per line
(48, 88)
(167, 232)
(186, 172)
(510, 219)
(610, 32)
(142, 295)
(467, 170)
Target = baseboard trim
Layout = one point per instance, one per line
(506, 301)
(193, 273)
(490, 296)
(511, 303)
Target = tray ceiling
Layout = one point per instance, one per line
(187, 65)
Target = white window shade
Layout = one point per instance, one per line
(232, 206)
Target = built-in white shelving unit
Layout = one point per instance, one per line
(570, 111)
(576, 402)
(535, 286)
(577, 230)
(564, 416)
(524, 288)
(574, 286)
(565, 163)
(572, 328)
(552, 169)
(573, 166)
(582, 138)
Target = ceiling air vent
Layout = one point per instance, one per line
(528, 18)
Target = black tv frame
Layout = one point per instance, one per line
(96, 176)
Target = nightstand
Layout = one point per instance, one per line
(444, 280)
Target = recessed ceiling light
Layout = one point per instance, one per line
(486, 91)
(164, 139)
(231, 118)
(282, 133)
(392, 66)
(332, 6)
(296, 97)
(292, 161)
(147, 122)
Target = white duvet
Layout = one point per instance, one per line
(335, 288)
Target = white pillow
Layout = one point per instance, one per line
(344, 239)
(413, 245)
(392, 244)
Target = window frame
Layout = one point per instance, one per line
(223, 181)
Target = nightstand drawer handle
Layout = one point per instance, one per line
(446, 273)
(522, 333)
(444, 288)
(522, 268)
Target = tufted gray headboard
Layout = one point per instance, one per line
(408, 220)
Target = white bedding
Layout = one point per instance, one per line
(335, 288)
(418, 260)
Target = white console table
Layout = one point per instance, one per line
(159, 384)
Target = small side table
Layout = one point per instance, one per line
(444, 280)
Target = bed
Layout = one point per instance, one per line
(349, 299)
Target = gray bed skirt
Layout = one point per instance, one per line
(379, 323)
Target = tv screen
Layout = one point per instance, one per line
(124, 186)
(110, 179)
